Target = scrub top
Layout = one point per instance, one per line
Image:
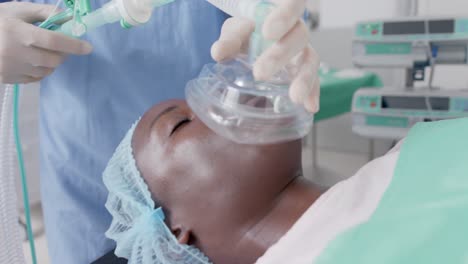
(89, 103)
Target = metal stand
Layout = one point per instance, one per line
(314, 147)
(371, 149)
(409, 80)
(311, 141)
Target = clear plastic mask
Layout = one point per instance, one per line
(228, 99)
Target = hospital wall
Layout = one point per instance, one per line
(29, 125)
(345, 13)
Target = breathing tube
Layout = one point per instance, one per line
(228, 99)
(11, 247)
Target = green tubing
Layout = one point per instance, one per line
(258, 43)
(19, 149)
(62, 16)
(86, 6)
(19, 152)
(124, 24)
(69, 3)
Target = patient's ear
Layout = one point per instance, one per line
(183, 235)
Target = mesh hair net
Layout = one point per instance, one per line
(137, 227)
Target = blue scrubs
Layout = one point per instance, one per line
(89, 103)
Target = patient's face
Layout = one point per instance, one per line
(207, 183)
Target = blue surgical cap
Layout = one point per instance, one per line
(138, 226)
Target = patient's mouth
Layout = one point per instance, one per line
(259, 102)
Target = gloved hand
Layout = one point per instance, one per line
(292, 49)
(27, 52)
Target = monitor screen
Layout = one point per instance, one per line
(415, 103)
(404, 28)
(441, 26)
(440, 103)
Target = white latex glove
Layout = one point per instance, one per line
(27, 52)
(292, 49)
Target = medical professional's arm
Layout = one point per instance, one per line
(29, 53)
(292, 47)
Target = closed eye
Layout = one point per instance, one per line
(179, 125)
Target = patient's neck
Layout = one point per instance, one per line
(290, 205)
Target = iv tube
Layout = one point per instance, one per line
(11, 249)
(11, 246)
